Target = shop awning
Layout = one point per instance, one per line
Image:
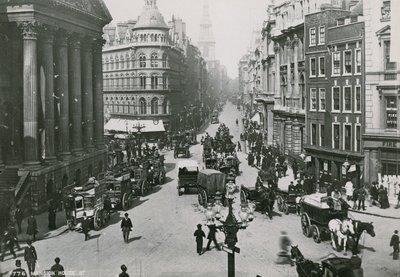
(119, 125)
(256, 118)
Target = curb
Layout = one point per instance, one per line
(378, 215)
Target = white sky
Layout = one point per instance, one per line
(233, 22)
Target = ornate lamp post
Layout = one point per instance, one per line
(231, 226)
(139, 127)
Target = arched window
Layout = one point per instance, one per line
(142, 82)
(116, 63)
(154, 82)
(126, 106)
(154, 60)
(165, 81)
(152, 37)
(132, 108)
(165, 108)
(143, 106)
(142, 60)
(154, 105)
(164, 60)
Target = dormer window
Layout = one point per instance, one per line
(340, 22)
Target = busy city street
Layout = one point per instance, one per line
(162, 242)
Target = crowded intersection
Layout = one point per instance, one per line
(162, 243)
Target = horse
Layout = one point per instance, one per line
(304, 267)
(341, 229)
(359, 228)
(267, 197)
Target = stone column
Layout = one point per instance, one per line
(87, 70)
(289, 74)
(98, 94)
(62, 89)
(75, 88)
(277, 95)
(47, 91)
(288, 136)
(30, 93)
(295, 92)
(296, 137)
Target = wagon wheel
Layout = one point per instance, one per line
(243, 196)
(200, 198)
(315, 233)
(205, 200)
(305, 225)
(160, 179)
(104, 218)
(125, 202)
(279, 201)
(98, 218)
(144, 188)
(285, 207)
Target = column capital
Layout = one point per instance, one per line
(74, 41)
(295, 41)
(277, 48)
(98, 44)
(29, 29)
(47, 34)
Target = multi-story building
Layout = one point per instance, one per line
(143, 65)
(51, 98)
(382, 92)
(243, 79)
(334, 49)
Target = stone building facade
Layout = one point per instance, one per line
(50, 73)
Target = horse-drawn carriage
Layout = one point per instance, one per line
(88, 199)
(316, 215)
(211, 163)
(214, 119)
(157, 169)
(229, 164)
(142, 178)
(187, 175)
(288, 201)
(207, 152)
(119, 190)
(210, 183)
(262, 195)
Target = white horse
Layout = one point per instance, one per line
(341, 230)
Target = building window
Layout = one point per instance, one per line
(389, 65)
(347, 62)
(143, 106)
(321, 66)
(347, 99)
(336, 63)
(154, 82)
(313, 67)
(358, 60)
(165, 82)
(336, 99)
(321, 39)
(322, 135)
(313, 98)
(143, 82)
(391, 112)
(322, 99)
(313, 134)
(154, 105)
(142, 60)
(312, 37)
(336, 136)
(154, 60)
(357, 147)
(302, 86)
(357, 106)
(164, 60)
(347, 137)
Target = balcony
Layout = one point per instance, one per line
(390, 76)
(137, 88)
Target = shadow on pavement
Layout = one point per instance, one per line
(94, 236)
(169, 167)
(134, 238)
(138, 202)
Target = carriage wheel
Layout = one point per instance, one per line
(104, 218)
(200, 198)
(305, 225)
(285, 208)
(205, 199)
(98, 218)
(125, 202)
(144, 188)
(243, 196)
(315, 233)
(279, 201)
(160, 179)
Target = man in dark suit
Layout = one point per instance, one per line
(19, 216)
(213, 229)
(199, 234)
(394, 242)
(30, 257)
(86, 226)
(126, 226)
(18, 272)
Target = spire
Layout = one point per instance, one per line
(206, 20)
(206, 31)
(151, 3)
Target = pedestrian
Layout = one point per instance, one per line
(258, 159)
(361, 194)
(284, 168)
(398, 199)
(18, 272)
(86, 226)
(8, 244)
(126, 226)
(30, 257)
(13, 233)
(394, 242)
(237, 121)
(123, 273)
(108, 206)
(250, 159)
(32, 227)
(239, 147)
(295, 169)
(374, 195)
(57, 270)
(213, 229)
(19, 216)
(58, 197)
(355, 197)
(349, 190)
(52, 215)
(284, 244)
(278, 169)
(199, 234)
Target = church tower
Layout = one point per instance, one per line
(206, 41)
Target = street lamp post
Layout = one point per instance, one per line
(139, 127)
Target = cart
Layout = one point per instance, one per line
(210, 182)
(214, 119)
(286, 200)
(182, 150)
(342, 267)
(206, 152)
(187, 175)
(316, 214)
(211, 163)
(230, 163)
(139, 182)
(119, 190)
(158, 169)
(87, 199)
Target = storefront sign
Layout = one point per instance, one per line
(390, 143)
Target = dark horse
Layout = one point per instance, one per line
(267, 200)
(359, 228)
(304, 267)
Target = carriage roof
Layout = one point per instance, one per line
(318, 200)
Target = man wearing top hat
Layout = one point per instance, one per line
(199, 234)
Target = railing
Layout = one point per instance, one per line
(134, 87)
(390, 76)
(21, 187)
